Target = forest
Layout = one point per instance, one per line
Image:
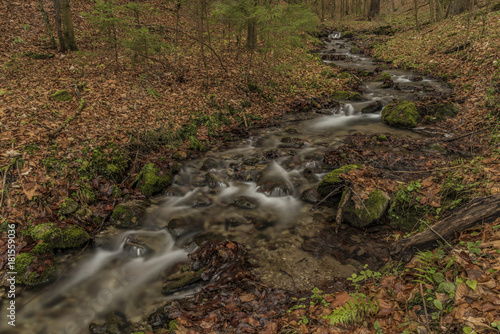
(250, 166)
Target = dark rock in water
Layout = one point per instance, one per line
(355, 50)
(309, 175)
(271, 154)
(200, 200)
(116, 323)
(235, 221)
(262, 221)
(201, 238)
(161, 317)
(245, 202)
(310, 196)
(209, 164)
(252, 161)
(179, 226)
(175, 192)
(200, 181)
(129, 214)
(387, 84)
(415, 78)
(136, 249)
(366, 73)
(214, 181)
(246, 175)
(178, 282)
(288, 142)
(372, 107)
(291, 131)
(274, 187)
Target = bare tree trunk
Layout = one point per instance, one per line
(375, 8)
(457, 7)
(432, 11)
(48, 28)
(57, 13)
(68, 31)
(252, 34)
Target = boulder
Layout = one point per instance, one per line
(128, 214)
(333, 180)
(310, 196)
(55, 237)
(68, 206)
(442, 111)
(401, 114)
(152, 180)
(372, 107)
(32, 271)
(361, 214)
(245, 202)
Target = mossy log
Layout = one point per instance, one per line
(481, 210)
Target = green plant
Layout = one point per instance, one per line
(364, 275)
(354, 311)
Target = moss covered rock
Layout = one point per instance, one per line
(128, 214)
(56, 237)
(384, 76)
(355, 50)
(179, 281)
(32, 273)
(152, 180)
(359, 214)
(61, 95)
(401, 114)
(341, 95)
(442, 111)
(332, 179)
(355, 97)
(68, 206)
(405, 211)
(366, 73)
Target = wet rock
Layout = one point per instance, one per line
(177, 282)
(332, 180)
(271, 154)
(356, 97)
(274, 187)
(361, 214)
(415, 78)
(129, 214)
(401, 114)
(33, 270)
(201, 200)
(214, 181)
(235, 222)
(245, 202)
(179, 226)
(309, 175)
(387, 84)
(366, 73)
(252, 161)
(291, 131)
(247, 175)
(175, 192)
(355, 50)
(384, 76)
(289, 142)
(180, 155)
(201, 238)
(310, 196)
(372, 107)
(263, 220)
(347, 34)
(56, 237)
(135, 248)
(116, 323)
(341, 95)
(209, 164)
(160, 318)
(151, 180)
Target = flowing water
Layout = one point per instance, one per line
(257, 192)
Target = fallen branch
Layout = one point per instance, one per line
(3, 186)
(81, 106)
(338, 219)
(335, 191)
(467, 134)
(481, 210)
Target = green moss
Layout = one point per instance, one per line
(368, 212)
(28, 276)
(402, 114)
(68, 206)
(348, 34)
(61, 95)
(172, 326)
(42, 248)
(151, 180)
(179, 281)
(385, 76)
(129, 214)
(355, 50)
(355, 97)
(195, 144)
(110, 162)
(344, 75)
(55, 237)
(382, 138)
(341, 95)
(122, 213)
(34, 55)
(442, 111)
(86, 194)
(332, 179)
(366, 73)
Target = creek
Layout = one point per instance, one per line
(258, 192)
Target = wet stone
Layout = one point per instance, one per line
(252, 161)
(247, 175)
(209, 164)
(415, 78)
(135, 249)
(372, 107)
(276, 188)
(200, 201)
(309, 175)
(245, 202)
(214, 181)
(310, 196)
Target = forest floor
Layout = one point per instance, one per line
(52, 150)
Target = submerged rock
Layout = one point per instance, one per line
(372, 107)
(215, 181)
(359, 214)
(209, 164)
(332, 180)
(310, 196)
(245, 202)
(32, 271)
(180, 281)
(401, 114)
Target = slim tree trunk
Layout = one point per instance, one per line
(432, 11)
(375, 8)
(252, 34)
(68, 31)
(416, 14)
(48, 28)
(60, 35)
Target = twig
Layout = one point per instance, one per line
(333, 192)
(425, 308)
(81, 106)
(436, 233)
(338, 219)
(467, 134)
(20, 176)
(245, 119)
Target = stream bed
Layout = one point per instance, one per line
(259, 192)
